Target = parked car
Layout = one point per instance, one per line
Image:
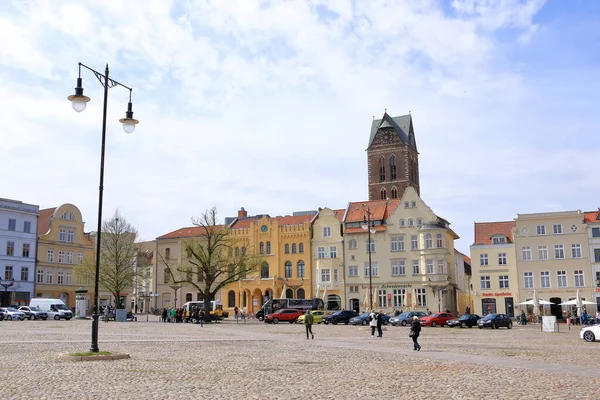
(464, 321)
(339, 317)
(33, 313)
(405, 318)
(317, 317)
(11, 313)
(285, 314)
(436, 319)
(495, 321)
(590, 333)
(363, 319)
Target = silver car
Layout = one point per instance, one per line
(11, 313)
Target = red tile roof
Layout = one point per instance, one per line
(591, 216)
(339, 214)
(380, 210)
(190, 231)
(44, 220)
(294, 219)
(466, 259)
(244, 223)
(485, 230)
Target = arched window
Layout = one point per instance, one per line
(289, 294)
(188, 297)
(244, 250)
(383, 194)
(300, 269)
(300, 293)
(428, 241)
(231, 298)
(294, 248)
(382, 169)
(402, 223)
(237, 251)
(287, 249)
(394, 193)
(440, 240)
(411, 222)
(419, 222)
(301, 247)
(262, 248)
(288, 269)
(268, 247)
(264, 271)
(244, 299)
(393, 168)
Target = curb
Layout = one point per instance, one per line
(111, 357)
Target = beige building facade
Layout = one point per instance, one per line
(592, 219)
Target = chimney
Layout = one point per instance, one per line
(242, 213)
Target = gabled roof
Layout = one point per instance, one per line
(402, 126)
(589, 216)
(380, 210)
(44, 220)
(190, 231)
(339, 214)
(485, 230)
(294, 219)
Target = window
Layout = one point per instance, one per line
(393, 171)
(321, 252)
(485, 282)
(70, 236)
(576, 250)
(371, 245)
(503, 281)
(326, 231)
(429, 264)
(428, 241)
(335, 275)
(397, 297)
(483, 260)
(24, 273)
(526, 253)
(264, 271)
(288, 269)
(381, 169)
(351, 244)
(61, 257)
(50, 255)
(419, 222)
(12, 224)
(167, 273)
(383, 298)
(69, 257)
(559, 251)
(10, 248)
(543, 252)
(300, 247)
(8, 273)
(287, 249)
(579, 278)
(557, 229)
(441, 266)
(261, 248)
(414, 244)
(540, 229)
(397, 243)
(501, 258)
(374, 270)
(294, 248)
(268, 247)
(332, 251)
(60, 278)
(528, 280)
(353, 270)
(25, 249)
(300, 269)
(406, 204)
(325, 275)
(39, 276)
(421, 297)
(27, 226)
(413, 204)
(415, 267)
(68, 278)
(561, 277)
(597, 255)
(440, 240)
(499, 240)
(545, 279)
(394, 193)
(62, 235)
(49, 276)
(596, 232)
(402, 223)
(167, 253)
(398, 268)
(411, 222)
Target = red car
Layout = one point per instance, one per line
(285, 314)
(435, 319)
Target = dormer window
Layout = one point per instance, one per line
(499, 240)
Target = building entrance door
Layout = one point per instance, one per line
(509, 306)
(354, 305)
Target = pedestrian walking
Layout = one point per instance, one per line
(380, 323)
(201, 318)
(236, 311)
(415, 331)
(373, 322)
(243, 315)
(164, 315)
(308, 323)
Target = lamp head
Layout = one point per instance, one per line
(129, 122)
(78, 100)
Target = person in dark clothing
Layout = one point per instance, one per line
(164, 315)
(415, 331)
(379, 323)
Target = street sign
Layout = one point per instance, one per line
(175, 298)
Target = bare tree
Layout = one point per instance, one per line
(212, 260)
(118, 258)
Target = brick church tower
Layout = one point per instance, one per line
(392, 157)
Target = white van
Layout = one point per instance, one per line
(55, 308)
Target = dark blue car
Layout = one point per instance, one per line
(363, 319)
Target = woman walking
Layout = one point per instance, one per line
(415, 330)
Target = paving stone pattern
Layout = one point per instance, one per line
(230, 360)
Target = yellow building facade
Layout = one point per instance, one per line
(62, 245)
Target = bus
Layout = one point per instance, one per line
(276, 304)
(216, 310)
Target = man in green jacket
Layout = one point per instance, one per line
(308, 322)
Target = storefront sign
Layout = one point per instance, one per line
(405, 285)
(598, 290)
(502, 294)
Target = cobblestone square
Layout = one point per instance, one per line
(231, 360)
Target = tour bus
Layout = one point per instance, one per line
(216, 310)
(276, 304)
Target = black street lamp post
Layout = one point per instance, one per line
(176, 288)
(6, 286)
(78, 102)
(368, 226)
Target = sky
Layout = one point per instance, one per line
(267, 105)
